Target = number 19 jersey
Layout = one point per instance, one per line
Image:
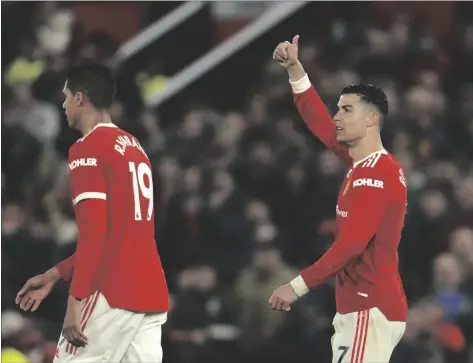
(110, 164)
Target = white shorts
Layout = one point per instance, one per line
(114, 335)
(365, 337)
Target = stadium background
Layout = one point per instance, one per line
(244, 194)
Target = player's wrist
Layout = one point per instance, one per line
(299, 286)
(295, 71)
(75, 298)
(300, 83)
(53, 274)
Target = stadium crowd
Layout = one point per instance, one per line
(246, 197)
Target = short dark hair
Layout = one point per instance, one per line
(373, 95)
(96, 81)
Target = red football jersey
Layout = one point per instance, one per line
(112, 192)
(370, 216)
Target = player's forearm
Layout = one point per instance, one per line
(315, 115)
(53, 274)
(88, 258)
(335, 259)
(364, 217)
(296, 72)
(92, 221)
(66, 267)
(313, 111)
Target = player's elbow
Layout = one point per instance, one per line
(355, 249)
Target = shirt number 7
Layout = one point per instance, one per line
(344, 350)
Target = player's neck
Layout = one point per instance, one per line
(92, 120)
(366, 147)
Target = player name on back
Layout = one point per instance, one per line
(123, 141)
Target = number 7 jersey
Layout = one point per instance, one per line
(110, 165)
(370, 216)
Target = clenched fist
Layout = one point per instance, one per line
(286, 53)
(282, 298)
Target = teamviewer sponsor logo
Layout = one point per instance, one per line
(341, 213)
(82, 162)
(368, 182)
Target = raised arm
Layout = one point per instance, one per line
(308, 103)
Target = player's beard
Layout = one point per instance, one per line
(350, 142)
(343, 138)
(72, 122)
(346, 142)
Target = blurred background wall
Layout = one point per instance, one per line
(245, 196)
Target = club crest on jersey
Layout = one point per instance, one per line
(347, 186)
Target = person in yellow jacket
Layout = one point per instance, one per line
(11, 355)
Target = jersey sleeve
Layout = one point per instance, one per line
(66, 267)
(316, 117)
(371, 194)
(91, 218)
(88, 168)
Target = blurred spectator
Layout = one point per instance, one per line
(254, 286)
(40, 119)
(448, 278)
(152, 81)
(27, 67)
(55, 35)
(23, 336)
(204, 318)
(461, 244)
(11, 355)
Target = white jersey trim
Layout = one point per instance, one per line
(371, 160)
(301, 85)
(89, 195)
(299, 286)
(102, 124)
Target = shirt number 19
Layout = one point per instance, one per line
(140, 189)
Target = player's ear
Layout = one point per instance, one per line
(373, 119)
(79, 96)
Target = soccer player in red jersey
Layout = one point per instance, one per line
(371, 304)
(118, 297)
